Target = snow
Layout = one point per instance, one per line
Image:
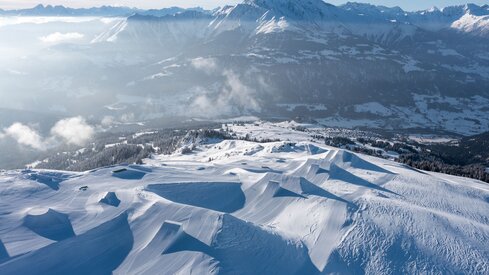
(234, 206)
(431, 139)
(373, 108)
(451, 115)
(342, 122)
(274, 25)
(286, 60)
(111, 35)
(140, 134)
(310, 107)
(478, 69)
(449, 52)
(158, 75)
(469, 23)
(410, 66)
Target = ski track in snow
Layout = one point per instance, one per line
(273, 208)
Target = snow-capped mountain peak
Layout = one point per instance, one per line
(297, 10)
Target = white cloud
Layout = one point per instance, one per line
(25, 135)
(234, 98)
(242, 95)
(58, 37)
(73, 130)
(15, 72)
(207, 65)
(108, 121)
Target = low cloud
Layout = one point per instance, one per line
(107, 121)
(58, 37)
(25, 135)
(207, 65)
(74, 131)
(234, 97)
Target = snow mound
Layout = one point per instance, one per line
(254, 150)
(309, 188)
(313, 149)
(316, 169)
(218, 196)
(98, 251)
(51, 179)
(3, 252)
(52, 225)
(340, 174)
(276, 190)
(111, 199)
(254, 243)
(178, 240)
(128, 174)
(141, 168)
(342, 157)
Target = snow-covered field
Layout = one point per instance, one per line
(240, 207)
(453, 117)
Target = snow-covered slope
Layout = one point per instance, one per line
(272, 16)
(239, 207)
(152, 32)
(473, 24)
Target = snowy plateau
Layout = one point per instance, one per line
(241, 207)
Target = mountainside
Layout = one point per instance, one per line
(354, 65)
(240, 207)
(397, 73)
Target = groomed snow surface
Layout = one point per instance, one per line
(239, 207)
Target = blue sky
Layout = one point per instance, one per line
(406, 4)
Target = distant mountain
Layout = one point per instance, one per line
(350, 65)
(49, 10)
(469, 18)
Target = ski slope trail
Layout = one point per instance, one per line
(239, 207)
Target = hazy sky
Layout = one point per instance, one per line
(406, 4)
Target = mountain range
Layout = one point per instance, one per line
(59, 10)
(351, 65)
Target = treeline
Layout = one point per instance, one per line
(469, 158)
(340, 142)
(402, 147)
(113, 149)
(431, 163)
